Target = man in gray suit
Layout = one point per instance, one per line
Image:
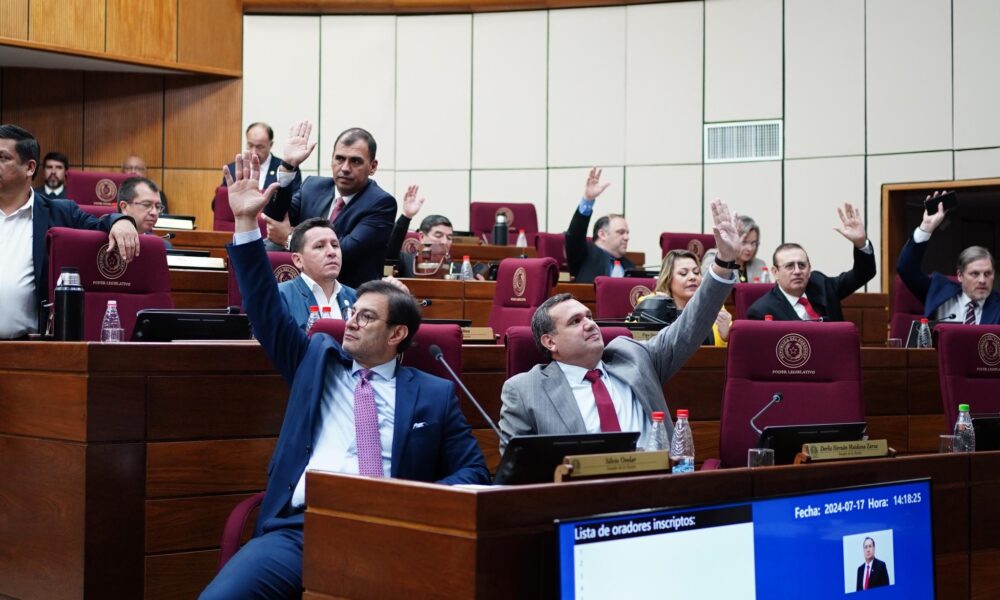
(589, 387)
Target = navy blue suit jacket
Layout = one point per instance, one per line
(585, 260)
(441, 450)
(937, 289)
(270, 174)
(363, 226)
(298, 298)
(41, 190)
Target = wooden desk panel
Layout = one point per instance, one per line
(213, 241)
(192, 288)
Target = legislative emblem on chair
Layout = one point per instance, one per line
(969, 367)
(94, 187)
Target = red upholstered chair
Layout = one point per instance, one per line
(552, 245)
(282, 265)
(697, 243)
(520, 215)
(224, 220)
(816, 366)
(236, 524)
(617, 296)
(411, 243)
(969, 368)
(522, 285)
(906, 308)
(94, 187)
(143, 283)
(98, 210)
(745, 294)
(522, 353)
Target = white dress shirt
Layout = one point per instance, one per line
(18, 313)
(320, 296)
(630, 414)
(799, 309)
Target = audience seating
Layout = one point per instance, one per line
(94, 187)
(617, 296)
(969, 369)
(552, 245)
(522, 353)
(697, 243)
(483, 215)
(522, 285)
(223, 219)
(143, 283)
(816, 366)
(99, 210)
(282, 265)
(745, 294)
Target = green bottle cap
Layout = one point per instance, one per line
(963, 408)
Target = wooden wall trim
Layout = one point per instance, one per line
(348, 7)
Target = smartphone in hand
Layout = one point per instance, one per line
(949, 200)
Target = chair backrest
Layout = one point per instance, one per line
(906, 308)
(816, 366)
(745, 294)
(522, 285)
(520, 215)
(552, 245)
(418, 355)
(411, 243)
(617, 296)
(223, 219)
(969, 368)
(522, 353)
(697, 243)
(143, 283)
(282, 266)
(94, 187)
(99, 210)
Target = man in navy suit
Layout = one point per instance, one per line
(362, 213)
(972, 300)
(25, 217)
(54, 167)
(588, 260)
(352, 409)
(260, 140)
(873, 573)
(316, 254)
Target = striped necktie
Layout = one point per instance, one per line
(970, 312)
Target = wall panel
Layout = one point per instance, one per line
(146, 32)
(658, 199)
(446, 191)
(210, 33)
(752, 189)
(14, 19)
(974, 164)
(75, 24)
(202, 122)
(566, 189)
(190, 192)
(49, 104)
(124, 115)
(977, 92)
(513, 185)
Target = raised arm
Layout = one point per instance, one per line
(576, 234)
(411, 206)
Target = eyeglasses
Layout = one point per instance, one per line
(149, 205)
(792, 266)
(362, 318)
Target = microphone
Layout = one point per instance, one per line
(776, 398)
(947, 319)
(439, 356)
(169, 236)
(423, 303)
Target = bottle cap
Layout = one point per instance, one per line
(520, 230)
(756, 279)
(618, 263)
(112, 303)
(923, 320)
(658, 415)
(313, 309)
(682, 413)
(768, 317)
(465, 258)
(963, 408)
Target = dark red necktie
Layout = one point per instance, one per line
(605, 407)
(338, 205)
(809, 309)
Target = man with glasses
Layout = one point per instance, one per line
(139, 198)
(806, 295)
(352, 408)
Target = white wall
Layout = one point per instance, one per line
(518, 105)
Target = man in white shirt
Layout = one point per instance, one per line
(316, 254)
(54, 165)
(25, 217)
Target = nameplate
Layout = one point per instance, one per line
(478, 334)
(644, 335)
(616, 463)
(846, 450)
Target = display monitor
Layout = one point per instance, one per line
(830, 544)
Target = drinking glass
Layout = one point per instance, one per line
(760, 457)
(948, 443)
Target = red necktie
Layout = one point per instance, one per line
(338, 205)
(605, 407)
(868, 571)
(809, 309)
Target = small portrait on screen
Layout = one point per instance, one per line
(868, 561)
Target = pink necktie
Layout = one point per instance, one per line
(369, 445)
(338, 205)
(605, 407)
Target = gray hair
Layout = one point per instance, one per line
(971, 255)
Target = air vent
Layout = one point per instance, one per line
(743, 141)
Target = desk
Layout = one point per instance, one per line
(367, 538)
(121, 462)
(213, 241)
(198, 288)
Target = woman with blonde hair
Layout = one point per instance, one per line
(751, 269)
(680, 277)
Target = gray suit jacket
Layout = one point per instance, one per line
(541, 402)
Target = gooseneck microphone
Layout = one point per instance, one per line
(423, 303)
(776, 398)
(438, 355)
(168, 236)
(934, 322)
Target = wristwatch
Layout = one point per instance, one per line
(288, 242)
(286, 165)
(726, 265)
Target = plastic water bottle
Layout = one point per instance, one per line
(69, 306)
(658, 439)
(313, 317)
(522, 240)
(768, 317)
(111, 326)
(617, 270)
(500, 230)
(765, 276)
(327, 313)
(964, 431)
(924, 335)
(467, 269)
(682, 444)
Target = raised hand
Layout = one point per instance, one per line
(245, 197)
(594, 187)
(725, 227)
(852, 227)
(931, 222)
(297, 146)
(278, 231)
(411, 205)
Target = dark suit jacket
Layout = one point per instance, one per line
(41, 190)
(937, 289)
(270, 174)
(442, 450)
(879, 576)
(586, 261)
(297, 297)
(364, 226)
(824, 293)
